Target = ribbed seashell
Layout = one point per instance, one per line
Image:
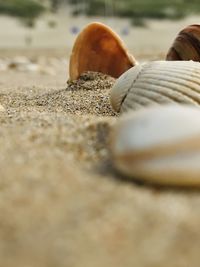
(98, 48)
(159, 144)
(157, 82)
(186, 46)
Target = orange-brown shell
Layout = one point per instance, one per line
(186, 46)
(98, 48)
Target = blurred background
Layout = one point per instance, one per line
(49, 27)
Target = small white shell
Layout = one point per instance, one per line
(159, 144)
(157, 82)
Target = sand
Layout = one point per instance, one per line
(61, 201)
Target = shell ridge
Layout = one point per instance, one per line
(194, 90)
(174, 95)
(168, 97)
(187, 77)
(138, 101)
(188, 65)
(121, 87)
(134, 106)
(155, 96)
(143, 96)
(138, 74)
(183, 90)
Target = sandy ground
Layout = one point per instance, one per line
(61, 202)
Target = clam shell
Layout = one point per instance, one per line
(186, 46)
(159, 144)
(98, 48)
(157, 82)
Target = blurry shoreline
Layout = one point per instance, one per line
(34, 52)
(56, 34)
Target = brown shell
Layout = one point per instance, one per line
(186, 46)
(98, 48)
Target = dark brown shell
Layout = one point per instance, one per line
(186, 46)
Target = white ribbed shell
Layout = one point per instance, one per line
(159, 144)
(157, 82)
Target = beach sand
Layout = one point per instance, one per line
(61, 201)
(62, 204)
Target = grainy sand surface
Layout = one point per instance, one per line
(61, 202)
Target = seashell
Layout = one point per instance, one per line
(186, 46)
(157, 82)
(98, 48)
(159, 144)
